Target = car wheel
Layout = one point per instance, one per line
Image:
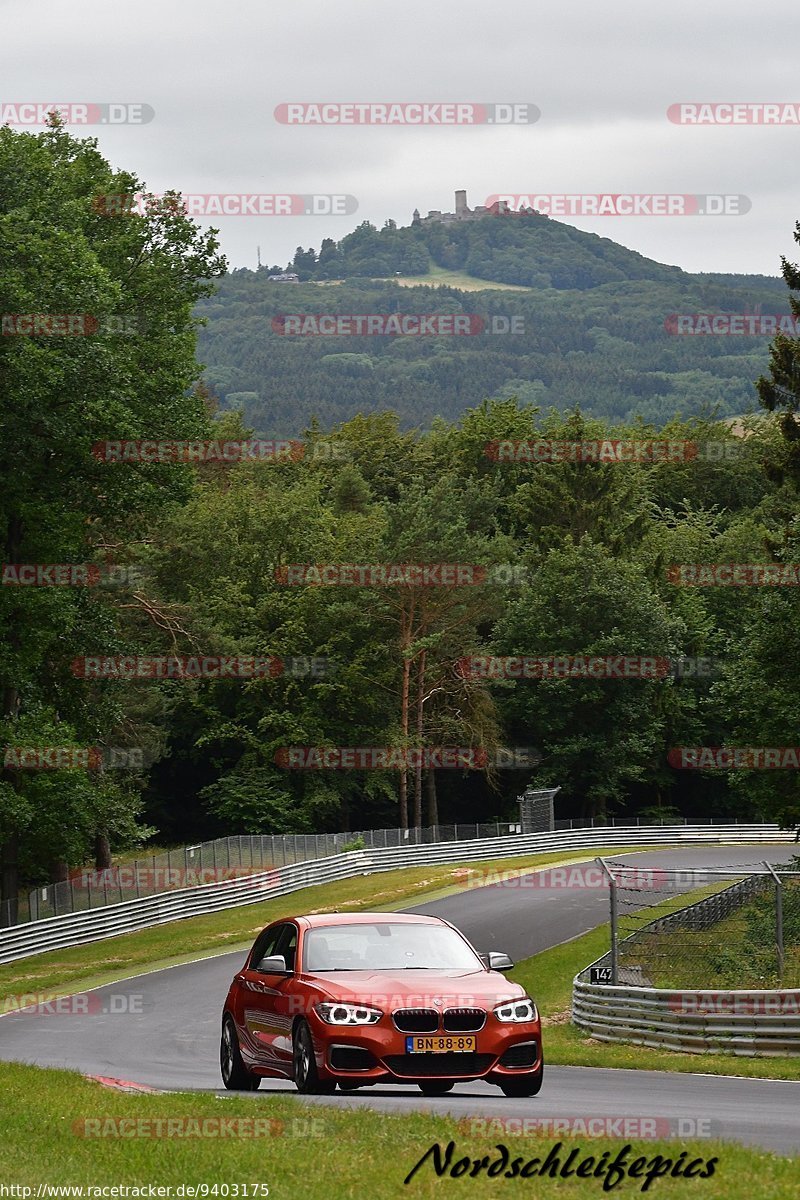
(526, 1085)
(436, 1087)
(235, 1074)
(306, 1078)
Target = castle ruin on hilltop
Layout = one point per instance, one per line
(462, 213)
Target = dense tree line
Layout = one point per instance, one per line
(576, 558)
(607, 349)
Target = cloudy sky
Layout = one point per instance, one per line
(603, 77)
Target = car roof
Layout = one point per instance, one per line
(315, 920)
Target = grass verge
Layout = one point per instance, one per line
(457, 279)
(309, 1151)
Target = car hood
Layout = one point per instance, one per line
(416, 988)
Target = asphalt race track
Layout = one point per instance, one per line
(167, 1032)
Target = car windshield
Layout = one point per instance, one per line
(387, 947)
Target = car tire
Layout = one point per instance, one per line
(235, 1074)
(436, 1087)
(526, 1085)
(304, 1066)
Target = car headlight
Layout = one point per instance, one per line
(348, 1014)
(516, 1011)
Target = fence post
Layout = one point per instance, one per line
(612, 887)
(778, 920)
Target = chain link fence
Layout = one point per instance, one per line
(742, 930)
(218, 860)
(226, 858)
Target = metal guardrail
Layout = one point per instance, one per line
(740, 1022)
(223, 858)
(74, 929)
(214, 861)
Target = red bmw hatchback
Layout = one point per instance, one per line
(366, 998)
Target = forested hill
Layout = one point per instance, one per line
(528, 250)
(589, 325)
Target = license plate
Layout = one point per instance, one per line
(441, 1045)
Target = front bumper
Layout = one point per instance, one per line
(375, 1053)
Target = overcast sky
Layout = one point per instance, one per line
(603, 77)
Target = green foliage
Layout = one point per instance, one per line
(600, 346)
(61, 254)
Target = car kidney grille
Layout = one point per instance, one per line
(464, 1020)
(416, 1020)
(451, 1066)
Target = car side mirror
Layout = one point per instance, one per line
(273, 964)
(498, 961)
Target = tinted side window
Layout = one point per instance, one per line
(287, 946)
(265, 945)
